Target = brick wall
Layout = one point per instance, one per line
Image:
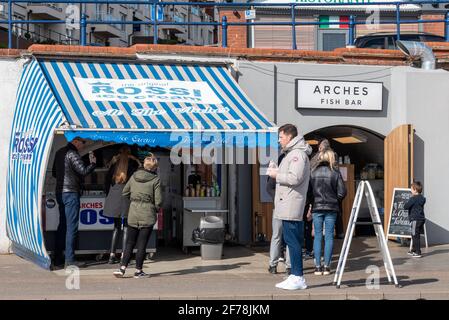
(338, 56)
(237, 35)
(435, 28)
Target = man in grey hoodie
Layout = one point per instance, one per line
(292, 181)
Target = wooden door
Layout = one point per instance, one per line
(262, 211)
(347, 172)
(398, 163)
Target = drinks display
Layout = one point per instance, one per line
(202, 190)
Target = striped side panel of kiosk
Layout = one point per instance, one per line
(35, 117)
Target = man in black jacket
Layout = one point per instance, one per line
(68, 169)
(415, 207)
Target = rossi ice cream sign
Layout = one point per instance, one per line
(24, 144)
(345, 95)
(146, 90)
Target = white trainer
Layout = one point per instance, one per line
(296, 283)
(282, 284)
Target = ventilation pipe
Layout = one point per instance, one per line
(416, 49)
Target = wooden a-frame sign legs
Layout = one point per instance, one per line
(365, 188)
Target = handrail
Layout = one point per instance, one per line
(224, 24)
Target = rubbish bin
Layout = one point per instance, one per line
(213, 228)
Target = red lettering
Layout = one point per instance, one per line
(92, 205)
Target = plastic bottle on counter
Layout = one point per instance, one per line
(217, 190)
(198, 190)
(209, 192)
(187, 192)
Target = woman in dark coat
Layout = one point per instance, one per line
(122, 167)
(328, 190)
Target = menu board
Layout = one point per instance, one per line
(399, 224)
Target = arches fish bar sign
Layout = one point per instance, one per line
(342, 95)
(146, 90)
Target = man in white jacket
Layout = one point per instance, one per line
(292, 181)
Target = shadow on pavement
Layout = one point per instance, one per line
(202, 269)
(403, 281)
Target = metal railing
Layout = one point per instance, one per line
(53, 37)
(224, 24)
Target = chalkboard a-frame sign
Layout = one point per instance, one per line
(399, 225)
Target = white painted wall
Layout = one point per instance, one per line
(427, 109)
(410, 95)
(10, 71)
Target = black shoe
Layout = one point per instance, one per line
(141, 274)
(410, 253)
(77, 264)
(416, 255)
(326, 270)
(308, 254)
(318, 271)
(113, 260)
(272, 270)
(58, 262)
(120, 273)
(288, 271)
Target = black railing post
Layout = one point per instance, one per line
(9, 24)
(351, 30)
(224, 32)
(294, 47)
(398, 22)
(446, 26)
(83, 28)
(155, 31)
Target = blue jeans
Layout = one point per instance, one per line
(293, 232)
(328, 219)
(69, 212)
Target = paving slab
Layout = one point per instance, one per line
(435, 295)
(328, 296)
(402, 295)
(296, 296)
(365, 295)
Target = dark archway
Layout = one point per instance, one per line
(361, 156)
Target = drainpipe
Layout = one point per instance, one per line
(415, 49)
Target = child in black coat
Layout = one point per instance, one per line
(415, 207)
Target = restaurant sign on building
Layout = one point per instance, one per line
(346, 95)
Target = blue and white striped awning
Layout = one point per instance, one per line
(151, 99)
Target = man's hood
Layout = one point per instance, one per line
(299, 143)
(144, 176)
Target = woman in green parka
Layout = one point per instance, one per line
(143, 190)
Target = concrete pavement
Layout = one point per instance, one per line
(241, 274)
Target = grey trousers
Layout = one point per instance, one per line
(276, 244)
